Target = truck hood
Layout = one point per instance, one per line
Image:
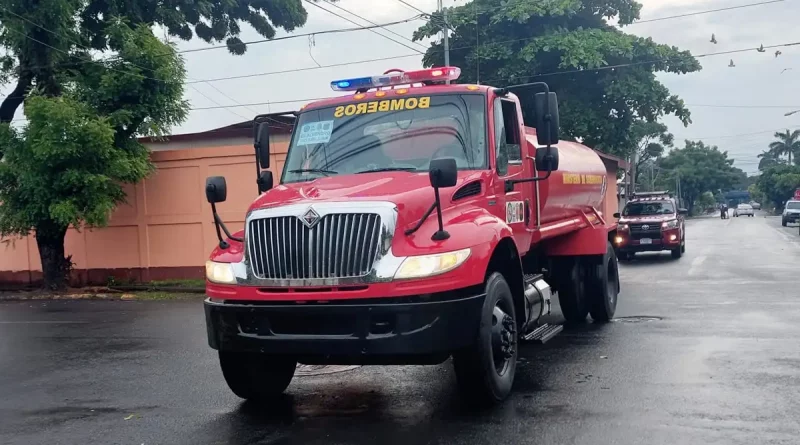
(411, 192)
(645, 219)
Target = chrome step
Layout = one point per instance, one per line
(543, 333)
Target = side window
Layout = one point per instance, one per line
(511, 130)
(500, 139)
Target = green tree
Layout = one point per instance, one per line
(788, 143)
(606, 78)
(705, 201)
(699, 168)
(767, 159)
(756, 194)
(778, 183)
(652, 139)
(44, 39)
(67, 164)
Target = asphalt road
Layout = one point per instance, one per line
(705, 351)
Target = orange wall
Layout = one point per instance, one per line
(165, 230)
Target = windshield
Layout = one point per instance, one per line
(384, 135)
(793, 205)
(648, 208)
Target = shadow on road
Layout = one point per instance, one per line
(426, 408)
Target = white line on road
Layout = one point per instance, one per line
(696, 264)
(43, 322)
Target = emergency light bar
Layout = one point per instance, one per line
(397, 78)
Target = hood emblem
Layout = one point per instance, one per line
(645, 227)
(310, 218)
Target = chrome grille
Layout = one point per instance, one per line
(339, 245)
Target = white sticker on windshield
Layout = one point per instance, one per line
(315, 133)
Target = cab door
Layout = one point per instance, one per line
(512, 161)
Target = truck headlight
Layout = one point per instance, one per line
(430, 265)
(623, 227)
(221, 273)
(670, 224)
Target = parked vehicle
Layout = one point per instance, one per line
(743, 210)
(791, 212)
(412, 224)
(651, 222)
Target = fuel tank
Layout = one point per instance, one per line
(579, 183)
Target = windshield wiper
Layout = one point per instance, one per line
(314, 170)
(389, 169)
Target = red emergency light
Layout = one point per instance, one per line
(392, 78)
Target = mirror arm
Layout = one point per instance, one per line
(421, 220)
(219, 223)
(441, 234)
(509, 185)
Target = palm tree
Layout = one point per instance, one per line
(768, 159)
(788, 143)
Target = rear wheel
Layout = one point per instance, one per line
(569, 277)
(257, 377)
(603, 287)
(485, 371)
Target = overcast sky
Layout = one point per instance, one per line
(756, 80)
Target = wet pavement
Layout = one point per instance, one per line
(704, 350)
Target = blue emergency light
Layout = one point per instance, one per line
(397, 78)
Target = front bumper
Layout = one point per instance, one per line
(791, 217)
(664, 242)
(389, 331)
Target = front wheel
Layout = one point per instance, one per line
(485, 371)
(783, 222)
(677, 253)
(256, 377)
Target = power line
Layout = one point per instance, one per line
(373, 23)
(294, 36)
(356, 23)
(743, 106)
(413, 7)
(690, 14)
(217, 103)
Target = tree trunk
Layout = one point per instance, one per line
(55, 267)
(16, 97)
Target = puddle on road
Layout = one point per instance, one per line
(312, 370)
(637, 319)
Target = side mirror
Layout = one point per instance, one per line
(547, 159)
(216, 189)
(261, 144)
(683, 211)
(265, 181)
(617, 215)
(443, 172)
(546, 104)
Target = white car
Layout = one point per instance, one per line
(743, 209)
(791, 212)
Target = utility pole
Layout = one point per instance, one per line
(632, 179)
(446, 39)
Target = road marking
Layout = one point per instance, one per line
(43, 322)
(696, 264)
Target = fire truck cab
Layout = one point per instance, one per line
(415, 220)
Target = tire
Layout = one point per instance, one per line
(570, 281)
(256, 377)
(625, 256)
(485, 371)
(602, 285)
(783, 222)
(677, 253)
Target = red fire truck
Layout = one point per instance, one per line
(415, 220)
